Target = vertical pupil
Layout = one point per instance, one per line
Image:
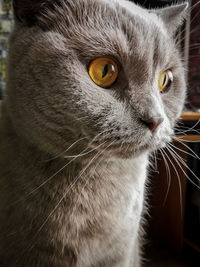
(105, 71)
(164, 80)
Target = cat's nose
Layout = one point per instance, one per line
(153, 122)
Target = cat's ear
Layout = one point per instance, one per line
(173, 16)
(26, 11)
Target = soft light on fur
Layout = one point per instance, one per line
(74, 156)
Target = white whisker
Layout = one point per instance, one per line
(179, 181)
(194, 155)
(186, 146)
(191, 128)
(178, 157)
(66, 192)
(60, 154)
(168, 175)
(88, 179)
(52, 176)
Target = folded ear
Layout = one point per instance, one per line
(173, 16)
(26, 11)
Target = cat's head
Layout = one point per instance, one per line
(100, 73)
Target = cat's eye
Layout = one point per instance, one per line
(165, 80)
(103, 71)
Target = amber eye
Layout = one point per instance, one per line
(165, 80)
(103, 71)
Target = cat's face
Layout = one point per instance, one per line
(52, 98)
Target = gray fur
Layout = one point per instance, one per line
(173, 16)
(88, 213)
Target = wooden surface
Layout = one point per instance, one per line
(187, 116)
(195, 138)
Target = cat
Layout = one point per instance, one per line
(93, 87)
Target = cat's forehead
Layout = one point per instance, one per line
(117, 28)
(110, 26)
(139, 12)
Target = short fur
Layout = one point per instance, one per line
(84, 211)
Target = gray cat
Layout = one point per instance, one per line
(94, 86)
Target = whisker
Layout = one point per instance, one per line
(181, 130)
(178, 39)
(95, 148)
(42, 184)
(88, 179)
(195, 44)
(77, 141)
(180, 160)
(155, 160)
(49, 179)
(184, 163)
(194, 6)
(153, 164)
(179, 181)
(181, 141)
(168, 174)
(194, 155)
(66, 192)
(194, 48)
(82, 154)
(60, 154)
(192, 128)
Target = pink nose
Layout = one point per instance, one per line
(153, 122)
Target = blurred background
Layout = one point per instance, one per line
(173, 232)
(6, 26)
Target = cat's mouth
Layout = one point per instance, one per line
(126, 147)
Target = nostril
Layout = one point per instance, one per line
(152, 123)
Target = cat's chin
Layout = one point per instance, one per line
(133, 150)
(126, 151)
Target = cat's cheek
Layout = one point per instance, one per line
(164, 134)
